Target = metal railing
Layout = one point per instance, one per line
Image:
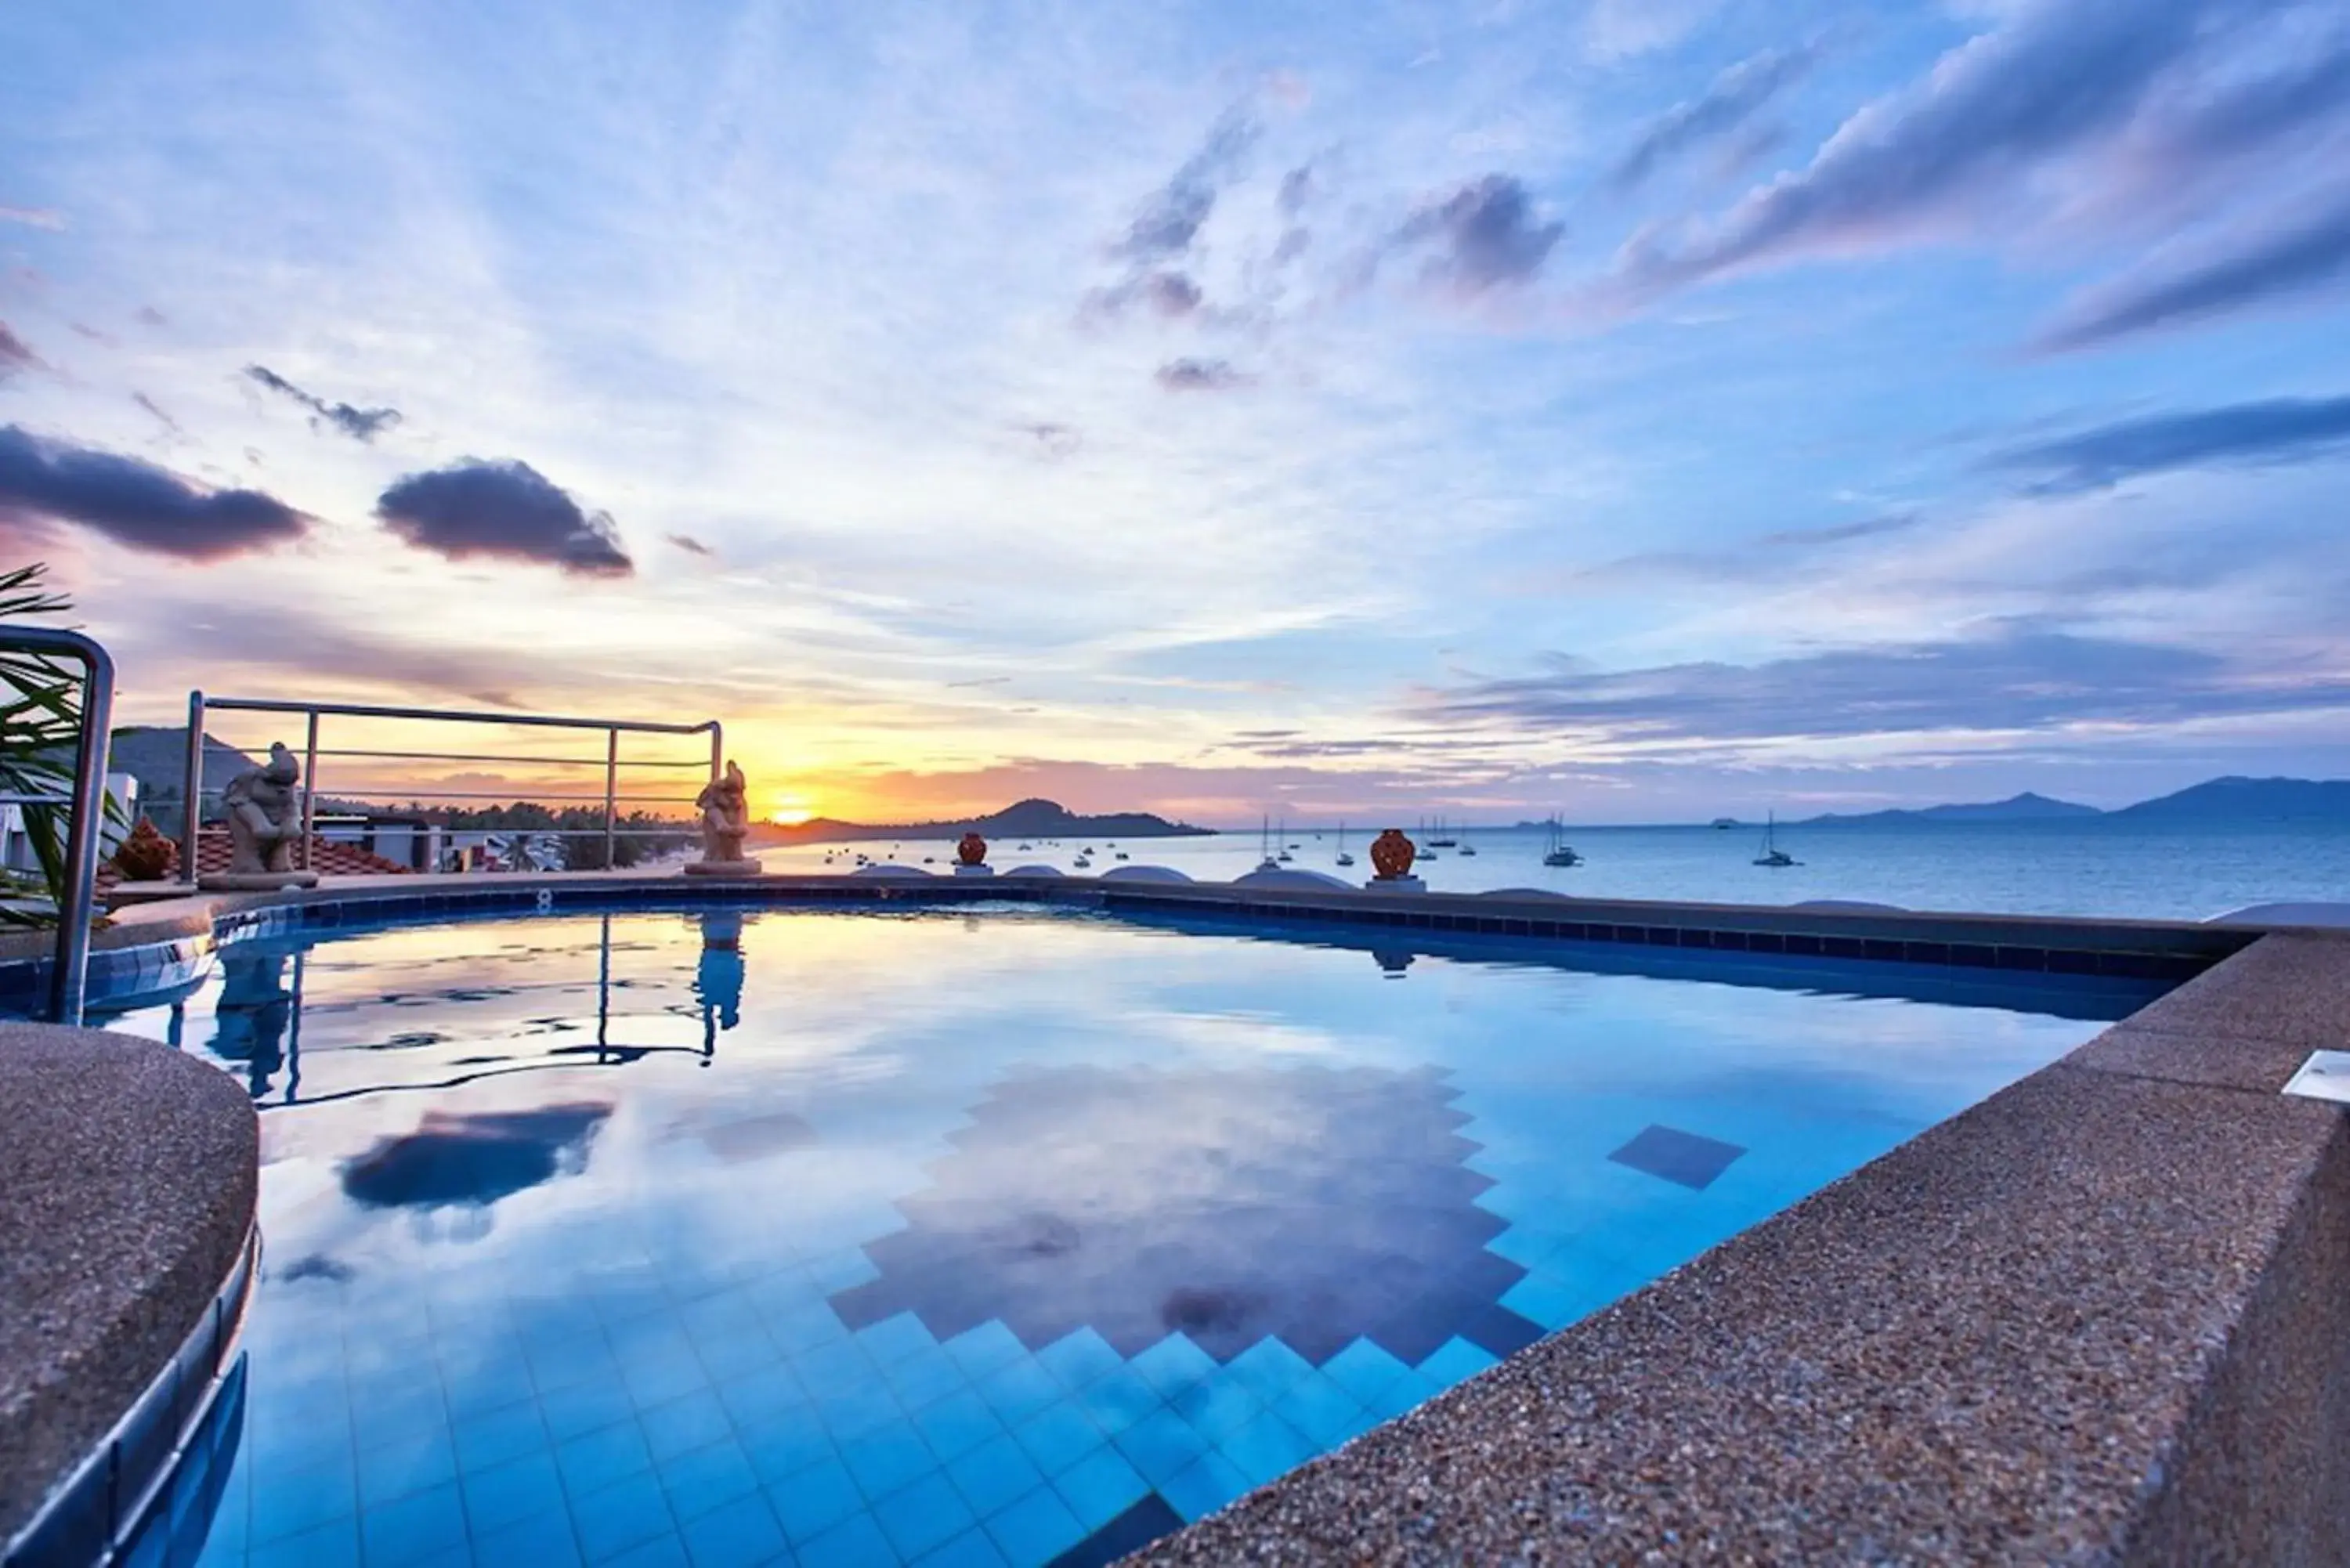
(69, 971)
(611, 762)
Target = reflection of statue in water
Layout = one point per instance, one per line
(718, 979)
(249, 1020)
(264, 806)
(724, 804)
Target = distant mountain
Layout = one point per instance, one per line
(158, 758)
(1026, 819)
(2249, 800)
(2024, 807)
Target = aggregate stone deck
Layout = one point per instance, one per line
(2098, 1318)
(127, 1183)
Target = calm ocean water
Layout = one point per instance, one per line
(2156, 871)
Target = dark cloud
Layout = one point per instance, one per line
(1171, 294)
(2279, 431)
(1735, 97)
(2059, 75)
(690, 544)
(502, 510)
(2251, 114)
(1770, 555)
(1486, 232)
(1172, 217)
(2300, 261)
(1202, 376)
(1056, 440)
(45, 483)
(151, 316)
(2020, 677)
(15, 357)
(360, 424)
(1838, 532)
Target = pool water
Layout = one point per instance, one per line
(1003, 1237)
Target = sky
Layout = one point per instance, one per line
(1643, 410)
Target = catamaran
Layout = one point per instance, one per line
(1773, 856)
(1557, 853)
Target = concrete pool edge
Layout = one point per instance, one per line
(2094, 1318)
(128, 1186)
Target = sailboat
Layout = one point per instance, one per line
(1557, 852)
(1344, 858)
(1282, 838)
(1442, 840)
(1773, 856)
(1265, 845)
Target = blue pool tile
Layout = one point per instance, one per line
(971, 1548)
(756, 1399)
(788, 1448)
(501, 1495)
(886, 1459)
(843, 1269)
(1018, 1391)
(626, 1513)
(837, 1368)
(661, 1552)
(1119, 1399)
(1319, 1409)
(1078, 1358)
(995, 1473)
(895, 1338)
(414, 1529)
(1685, 1158)
(804, 1324)
(1161, 1446)
(1266, 1448)
(1364, 1370)
(1204, 1487)
(332, 1545)
(853, 1412)
(1037, 1528)
(731, 1354)
(923, 1375)
(857, 1543)
(744, 1533)
(587, 1408)
(1100, 1487)
(414, 1462)
(1455, 1360)
(1521, 1244)
(299, 1504)
(957, 1423)
(494, 1437)
(1174, 1364)
(924, 1515)
(815, 1500)
(684, 1424)
(1269, 1369)
(1058, 1437)
(655, 1376)
(1218, 1407)
(1554, 1300)
(707, 1478)
(1405, 1393)
(602, 1457)
(491, 1385)
(982, 1350)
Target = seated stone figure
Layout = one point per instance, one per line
(724, 804)
(265, 815)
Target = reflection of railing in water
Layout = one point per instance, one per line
(193, 791)
(266, 1014)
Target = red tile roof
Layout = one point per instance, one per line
(213, 853)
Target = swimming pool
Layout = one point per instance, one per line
(1000, 1235)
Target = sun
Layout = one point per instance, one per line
(790, 812)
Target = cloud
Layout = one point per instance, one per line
(148, 403)
(35, 217)
(2056, 76)
(1202, 376)
(360, 424)
(1769, 555)
(151, 316)
(1486, 234)
(504, 511)
(2276, 431)
(2020, 676)
(15, 357)
(1057, 441)
(2299, 261)
(1733, 98)
(1171, 219)
(690, 544)
(45, 483)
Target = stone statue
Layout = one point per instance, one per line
(724, 804)
(264, 806)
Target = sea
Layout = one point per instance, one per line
(2093, 866)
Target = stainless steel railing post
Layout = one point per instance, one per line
(310, 792)
(611, 785)
(194, 801)
(70, 968)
